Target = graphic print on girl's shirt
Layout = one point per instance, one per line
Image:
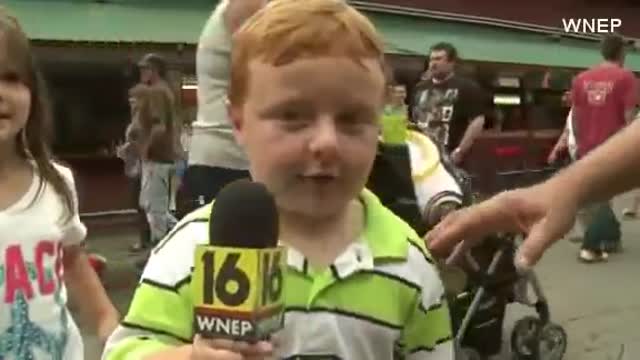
(34, 320)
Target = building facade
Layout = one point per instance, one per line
(88, 50)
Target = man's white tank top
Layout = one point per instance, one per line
(212, 142)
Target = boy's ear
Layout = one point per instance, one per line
(235, 114)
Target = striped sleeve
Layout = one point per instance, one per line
(427, 333)
(161, 312)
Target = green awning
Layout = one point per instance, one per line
(407, 34)
(163, 21)
(156, 21)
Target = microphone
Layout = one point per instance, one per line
(237, 286)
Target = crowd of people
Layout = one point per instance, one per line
(290, 94)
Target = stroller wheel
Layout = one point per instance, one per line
(532, 340)
(468, 354)
(552, 342)
(525, 338)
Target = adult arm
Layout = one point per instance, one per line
(471, 134)
(238, 11)
(545, 212)
(475, 111)
(609, 170)
(629, 90)
(560, 147)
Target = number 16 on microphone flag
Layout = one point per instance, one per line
(238, 293)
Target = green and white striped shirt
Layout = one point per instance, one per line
(381, 298)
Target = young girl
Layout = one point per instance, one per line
(40, 231)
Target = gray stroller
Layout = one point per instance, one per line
(478, 312)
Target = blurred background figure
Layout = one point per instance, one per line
(603, 100)
(215, 158)
(152, 80)
(449, 107)
(395, 115)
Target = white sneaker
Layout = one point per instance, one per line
(589, 256)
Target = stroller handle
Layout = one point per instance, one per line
(488, 276)
(504, 240)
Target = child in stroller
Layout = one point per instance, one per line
(418, 182)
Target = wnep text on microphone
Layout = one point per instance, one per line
(238, 292)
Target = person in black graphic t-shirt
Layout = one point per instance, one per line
(448, 107)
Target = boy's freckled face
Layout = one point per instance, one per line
(310, 130)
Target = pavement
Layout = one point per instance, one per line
(597, 304)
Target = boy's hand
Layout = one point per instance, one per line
(205, 349)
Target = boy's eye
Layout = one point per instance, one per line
(291, 115)
(293, 120)
(350, 117)
(355, 118)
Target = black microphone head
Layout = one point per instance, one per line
(244, 215)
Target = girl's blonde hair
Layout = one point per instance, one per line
(33, 142)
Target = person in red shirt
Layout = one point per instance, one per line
(603, 99)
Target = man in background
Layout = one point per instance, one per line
(152, 72)
(603, 100)
(396, 102)
(449, 107)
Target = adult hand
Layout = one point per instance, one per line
(543, 212)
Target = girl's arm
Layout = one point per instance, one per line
(82, 282)
(87, 292)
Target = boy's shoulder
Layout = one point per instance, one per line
(387, 234)
(399, 252)
(172, 258)
(195, 221)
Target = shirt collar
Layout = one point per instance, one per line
(383, 239)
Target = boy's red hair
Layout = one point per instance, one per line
(287, 30)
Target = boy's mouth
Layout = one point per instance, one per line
(319, 178)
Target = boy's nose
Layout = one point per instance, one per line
(324, 140)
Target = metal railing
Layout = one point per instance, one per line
(98, 214)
